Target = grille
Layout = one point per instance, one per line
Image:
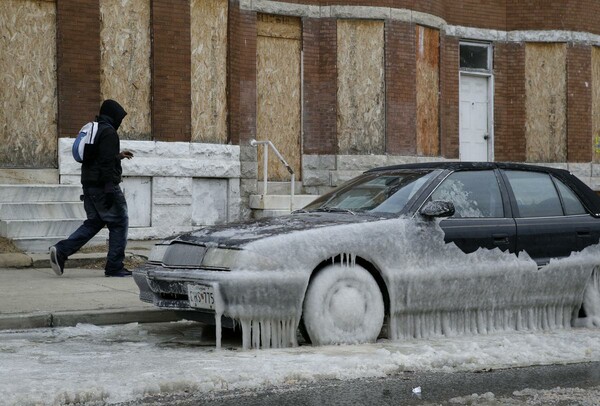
(184, 255)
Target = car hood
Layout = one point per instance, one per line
(236, 235)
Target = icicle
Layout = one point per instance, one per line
(218, 330)
(246, 330)
(266, 334)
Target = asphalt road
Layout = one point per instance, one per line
(574, 384)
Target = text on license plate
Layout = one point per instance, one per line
(201, 296)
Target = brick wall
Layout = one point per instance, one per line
(449, 99)
(509, 102)
(579, 103)
(320, 85)
(400, 88)
(241, 77)
(78, 64)
(580, 15)
(171, 70)
(476, 13)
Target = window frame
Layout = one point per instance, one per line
(489, 59)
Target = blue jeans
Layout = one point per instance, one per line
(116, 219)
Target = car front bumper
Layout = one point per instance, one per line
(242, 295)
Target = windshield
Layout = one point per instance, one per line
(376, 192)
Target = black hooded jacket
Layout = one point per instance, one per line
(103, 167)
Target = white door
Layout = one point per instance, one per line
(475, 135)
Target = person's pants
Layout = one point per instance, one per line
(115, 218)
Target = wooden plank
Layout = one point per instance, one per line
(28, 105)
(546, 102)
(125, 58)
(278, 101)
(596, 101)
(277, 26)
(427, 87)
(361, 95)
(209, 76)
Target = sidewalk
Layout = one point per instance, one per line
(32, 296)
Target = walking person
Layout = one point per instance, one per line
(103, 199)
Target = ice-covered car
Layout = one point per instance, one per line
(424, 249)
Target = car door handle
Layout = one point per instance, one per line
(500, 239)
(583, 233)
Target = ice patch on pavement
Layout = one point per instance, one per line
(123, 363)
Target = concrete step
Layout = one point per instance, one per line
(35, 228)
(42, 210)
(279, 188)
(279, 202)
(41, 244)
(277, 205)
(257, 214)
(39, 193)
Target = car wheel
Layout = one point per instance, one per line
(591, 300)
(343, 305)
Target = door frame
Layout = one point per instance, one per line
(490, 118)
(487, 73)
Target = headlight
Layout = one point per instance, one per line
(157, 253)
(220, 258)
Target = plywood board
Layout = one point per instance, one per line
(546, 102)
(596, 101)
(427, 87)
(276, 26)
(360, 94)
(209, 73)
(278, 100)
(125, 58)
(28, 105)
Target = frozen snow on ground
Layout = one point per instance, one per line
(120, 363)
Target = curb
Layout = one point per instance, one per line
(20, 261)
(96, 317)
(15, 260)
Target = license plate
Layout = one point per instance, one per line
(201, 296)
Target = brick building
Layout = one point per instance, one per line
(338, 87)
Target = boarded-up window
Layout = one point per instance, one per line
(209, 76)
(125, 53)
(546, 102)
(278, 92)
(28, 130)
(428, 84)
(596, 101)
(360, 95)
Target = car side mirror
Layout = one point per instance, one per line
(437, 208)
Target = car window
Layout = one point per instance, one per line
(378, 192)
(535, 194)
(473, 193)
(571, 203)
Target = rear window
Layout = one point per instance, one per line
(535, 194)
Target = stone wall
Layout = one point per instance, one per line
(172, 186)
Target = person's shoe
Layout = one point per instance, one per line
(57, 262)
(118, 274)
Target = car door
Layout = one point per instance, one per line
(482, 218)
(551, 221)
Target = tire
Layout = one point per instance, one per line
(343, 305)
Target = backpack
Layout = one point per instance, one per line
(84, 141)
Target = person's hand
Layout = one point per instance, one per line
(125, 154)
